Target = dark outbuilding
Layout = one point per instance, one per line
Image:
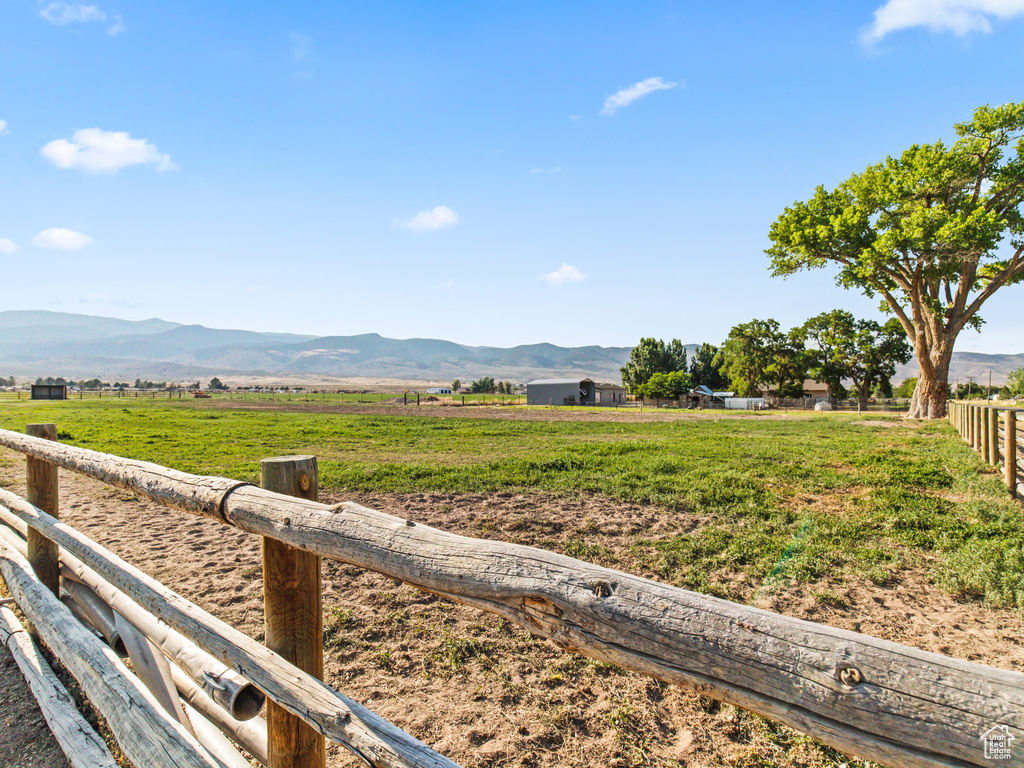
(49, 392)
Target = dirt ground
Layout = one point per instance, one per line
(472, 686)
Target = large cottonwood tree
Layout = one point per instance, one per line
(934, 232)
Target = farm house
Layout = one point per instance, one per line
(439, 390)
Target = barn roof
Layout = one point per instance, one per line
(558, 381)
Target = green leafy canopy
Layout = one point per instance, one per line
(935, 232)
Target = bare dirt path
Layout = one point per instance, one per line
(484, 692)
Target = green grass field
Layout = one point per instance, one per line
(804, 497)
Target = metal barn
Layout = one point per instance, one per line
(561, 392)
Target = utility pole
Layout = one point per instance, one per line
(988, 394)
(970, 382)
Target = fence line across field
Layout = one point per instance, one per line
(867, 697)
(996, 432)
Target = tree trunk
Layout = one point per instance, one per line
(929, 400)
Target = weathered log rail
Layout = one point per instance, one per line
(997, 433)
(867, 697)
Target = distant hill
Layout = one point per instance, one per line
(40, 343)
(40, 325)
(971, 364)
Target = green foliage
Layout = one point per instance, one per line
(665, 385)
(483, 386)
(906, 387)
(923, 231)
(215, 384)
(788, 369)
(756, 352)
(649, 357)
(861, 350)
(455, 385)
(991, 571)
(706, 368)
(1015, 383)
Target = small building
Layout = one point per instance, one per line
(439, 390)
(561, 392)
(609, 394)
(49, 392)
(703, 397)
(815, 390)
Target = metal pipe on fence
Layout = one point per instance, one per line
(96, 613)
(251, 735)
(333, 714)
(229, 689)
(145, 734)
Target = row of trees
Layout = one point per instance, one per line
(759, 358)
(831, 348)
(486, 385)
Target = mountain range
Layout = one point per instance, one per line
(41, 343)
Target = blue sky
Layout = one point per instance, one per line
(490, 173)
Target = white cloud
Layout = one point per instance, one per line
(6, 246)
(440, 216)
(117, 27)
(301, 45)
(957, 16)
(61, 239)
(627, 96)
(565, 274)
(98, 151)
(447, 285)
(62, 14)
(3, 127)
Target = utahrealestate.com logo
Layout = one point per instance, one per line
(998, 742)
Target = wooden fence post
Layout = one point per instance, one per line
(293, 615)
(986, 434)
(993, 431)
(977, 428)
(1010, 451)
(42, 492)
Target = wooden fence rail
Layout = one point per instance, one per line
(997, 433)
(867, 697)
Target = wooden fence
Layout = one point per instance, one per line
(997, 433)
(867, 697)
